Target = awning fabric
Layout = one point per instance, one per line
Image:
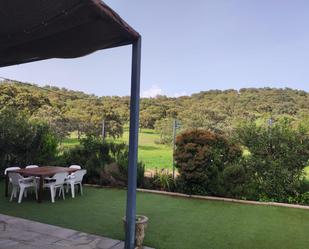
(32, 30)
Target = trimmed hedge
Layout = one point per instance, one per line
(201, 157)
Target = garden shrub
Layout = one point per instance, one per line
(92, 154)
(120, 154)
(163, 180)
(23, 142)
(201, 157)
(236, 181)
(106, 162)
(278, 155)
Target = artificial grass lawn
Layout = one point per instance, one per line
(153, 155)
(175, 223)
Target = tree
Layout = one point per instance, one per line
(56, 120)
(21, 98)
(165, 128)
(215, 110)
(112, 120)
(87, 115)
(149, 115)
(205, 118)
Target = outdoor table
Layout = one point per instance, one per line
(41, 172)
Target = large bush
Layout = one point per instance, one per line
(92, 154)
(23, 142)
(106, 162)
(201, 158)
(278, 155)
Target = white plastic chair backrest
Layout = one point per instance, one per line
(60, 177)
(15, 177)
(10, 169)
(32, 166)
(75, 167)
(79, 175)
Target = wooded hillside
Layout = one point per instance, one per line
(66, 110)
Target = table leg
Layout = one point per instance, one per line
(7, 185)
(40, 197)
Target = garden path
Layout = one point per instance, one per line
(17, 233)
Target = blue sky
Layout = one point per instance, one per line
(192, 46)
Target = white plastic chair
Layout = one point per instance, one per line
(76, 179)
(31, 166)
(78, 167)
(22, 184)
(10, 169)
(54, 183)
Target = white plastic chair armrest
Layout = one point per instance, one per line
(71, 176)
(25, 180)
(49, 179)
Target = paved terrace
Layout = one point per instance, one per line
(16, 233)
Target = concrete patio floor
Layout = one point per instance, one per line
(17, 233)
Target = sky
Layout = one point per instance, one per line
(192, 46)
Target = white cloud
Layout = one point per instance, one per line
(152, 92)
(183, 93)
(155, 90)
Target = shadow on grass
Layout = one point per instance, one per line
(71, 141)
(147, 147)
(147, 132)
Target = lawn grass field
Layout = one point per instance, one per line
(152, 154)
(307, 173)
(175, 223)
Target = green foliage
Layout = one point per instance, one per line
(63, 110)
(199, 116)
(271, 167)
(201, 158)
(152, 154)
(55, 119)
(23, 142)
(218, 111)
(120, 154)
(21, 98)
(302, 199)
(236, 181)
(92, 154)
(163, 180)
(150, 113)
(87, 116)
(278, 155)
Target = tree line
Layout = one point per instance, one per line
(215, 110)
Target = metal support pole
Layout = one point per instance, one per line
(174, 144)
(133, 145)
(103, 129)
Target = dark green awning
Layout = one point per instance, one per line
(34, 30)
